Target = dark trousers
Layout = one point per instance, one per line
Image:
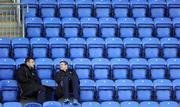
(44, 94)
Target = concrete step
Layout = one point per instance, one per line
(7, 24)
(7, 18)
(11, 35)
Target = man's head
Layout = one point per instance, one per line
(30, 62)
(63, 65)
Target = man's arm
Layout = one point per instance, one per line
(21, 76)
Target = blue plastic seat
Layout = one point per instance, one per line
(157, 68)
(66, 8)
(70, 105)
(126, 27)
(30, 10)
(176, 89)
(57, 63)
(12, 104)
(102, 8)
(163, 90)
(169, 47)
(149, 104)
(87, 90)
(71, 27)
(157, 8)
(32, 105)
(105, 90)
(83, 68)
(34, 27)
(145, 27)
(129, 104)
(89, 27)
(168, 104)
(7, 68)
(77, 47)
(151, 47)
(110, 104)
(52, 104)
(84, 8)
(173, 8)
(9, 90)
(21, 47)
(108, 27)
(48, 8)
(132, 47)
(58, 47)
(144, 89)
(139, 68)
(176, 27)
(95, 47)
(90, 104)
(19, 62)
(5, 46)
(101, 68)
(163, 27)
(125, 89)
(139, 8)
(173, 68)
(52, 27)
(39, 47)
(114, 47)
(49, 82)
(121, 8)
(120, 68)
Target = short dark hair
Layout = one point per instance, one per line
(28, 59)
(66, 63)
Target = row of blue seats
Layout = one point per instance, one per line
(102, 27)
(100, 68)
(102, 8)
(96, 104)
(90, 48)
(108, 90)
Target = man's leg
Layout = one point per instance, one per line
(41, 95)
(49, 93)
(65, 85)
(75, 86)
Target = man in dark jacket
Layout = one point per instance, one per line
(30, 84)
(68, 80)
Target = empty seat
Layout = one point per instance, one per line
(163, 27)
(139, 68)
(32, 105)
(126, 27)
(95, 47)
(48, 8)
(168, 104)
(157, 8)
(157, 68)
(102, 8)
(70, 105)
(132, 47)
(139, 8)
(19, 62)
(149, 104)
(101, 68)
(49, 83)
(145, 27)
(169, 47)
(176, 27)
(7, 68)
(77, 47)
(84, 8)
(151, 47)
(83, 68)
(125, 89)
(12, 104)
(110, 104)
(114, 47)
(44, 67)
(176, 89)
(87, 90)
(57, 63)
(105, 90)
(163, 89)
(52, 104)
(5, 46)
(39, 47)
(108, 27)
(66, 8)
(9, 90)
(31, 9)
(71, 27)
(52, 27)
(89, 27)
(173, 8)
(90, 104)
(34, 26)
(121, 8)
(144, 89)
(58, 47)
(129, 104)
(120, 68)
(20, 47)
(173, 68)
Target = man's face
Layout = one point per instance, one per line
(63, 66)
(31, 63)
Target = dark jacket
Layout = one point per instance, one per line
(28, 80)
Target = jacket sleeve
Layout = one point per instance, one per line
(58, 77)
(21, 76)
(75, 75)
